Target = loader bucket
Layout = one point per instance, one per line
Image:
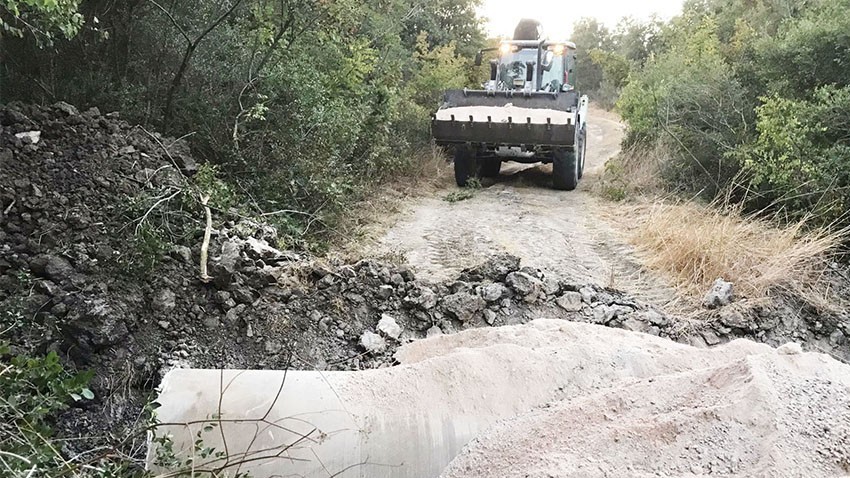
(506, 118)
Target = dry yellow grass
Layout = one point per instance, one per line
(694, 245)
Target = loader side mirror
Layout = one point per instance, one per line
(479, 57)
(494, 69)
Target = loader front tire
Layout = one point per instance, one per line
(565, 169)
(582, 149)
(466, 165)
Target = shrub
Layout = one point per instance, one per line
(33, 391)
(689, 99)
(799, 160)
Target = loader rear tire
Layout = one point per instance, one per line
(466, 165)
(490, 167)
(565, 169)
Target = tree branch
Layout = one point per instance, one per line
(168, 109)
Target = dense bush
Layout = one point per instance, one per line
(302, 105)
(702, 115)
(752, 100)
(606, 57)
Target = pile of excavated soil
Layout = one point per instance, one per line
(549, 398)
(737, 410)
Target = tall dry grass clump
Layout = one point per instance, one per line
(695, 244)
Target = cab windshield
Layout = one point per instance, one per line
(512, 66)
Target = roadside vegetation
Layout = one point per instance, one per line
(303, 107)
(747, 101)
(694, 244)
(745, 107)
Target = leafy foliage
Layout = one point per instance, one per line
(799, 158)
(302, 106)
(32, 392)
(40, 18)
(605, 57)
(751, 100)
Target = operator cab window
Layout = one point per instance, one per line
(512, 67)
(553, 78)
(569, 75)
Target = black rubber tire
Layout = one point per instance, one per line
(564, 169)
(466, 166)
(582, 151)
(490, 167)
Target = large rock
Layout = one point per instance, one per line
(526, 286)
(102, 324)
(495, 268)
(29, 137)
(570, 301)
(493, 292)
(228, 262)
(68, 109)
(53, 267)
(164, 301)
(373, 343)
(734, 318)
(389, 327)
(260, 249)
(463, 305)
(423, 297)
(720, 294)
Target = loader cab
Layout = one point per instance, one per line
(517, 66)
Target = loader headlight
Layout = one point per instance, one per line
(504, 49)
(558, 49)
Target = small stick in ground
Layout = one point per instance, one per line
(205, 246)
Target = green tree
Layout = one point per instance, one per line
(42, 19)
(589, 35)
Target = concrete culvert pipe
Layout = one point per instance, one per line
(413, 420)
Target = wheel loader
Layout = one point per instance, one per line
(528, 111)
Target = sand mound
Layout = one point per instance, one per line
(768, 414)
(546, 399)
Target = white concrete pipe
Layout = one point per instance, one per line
(413, 419)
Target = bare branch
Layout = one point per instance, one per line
(205, 246)
(173, 20)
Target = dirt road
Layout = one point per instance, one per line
(519, 213)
